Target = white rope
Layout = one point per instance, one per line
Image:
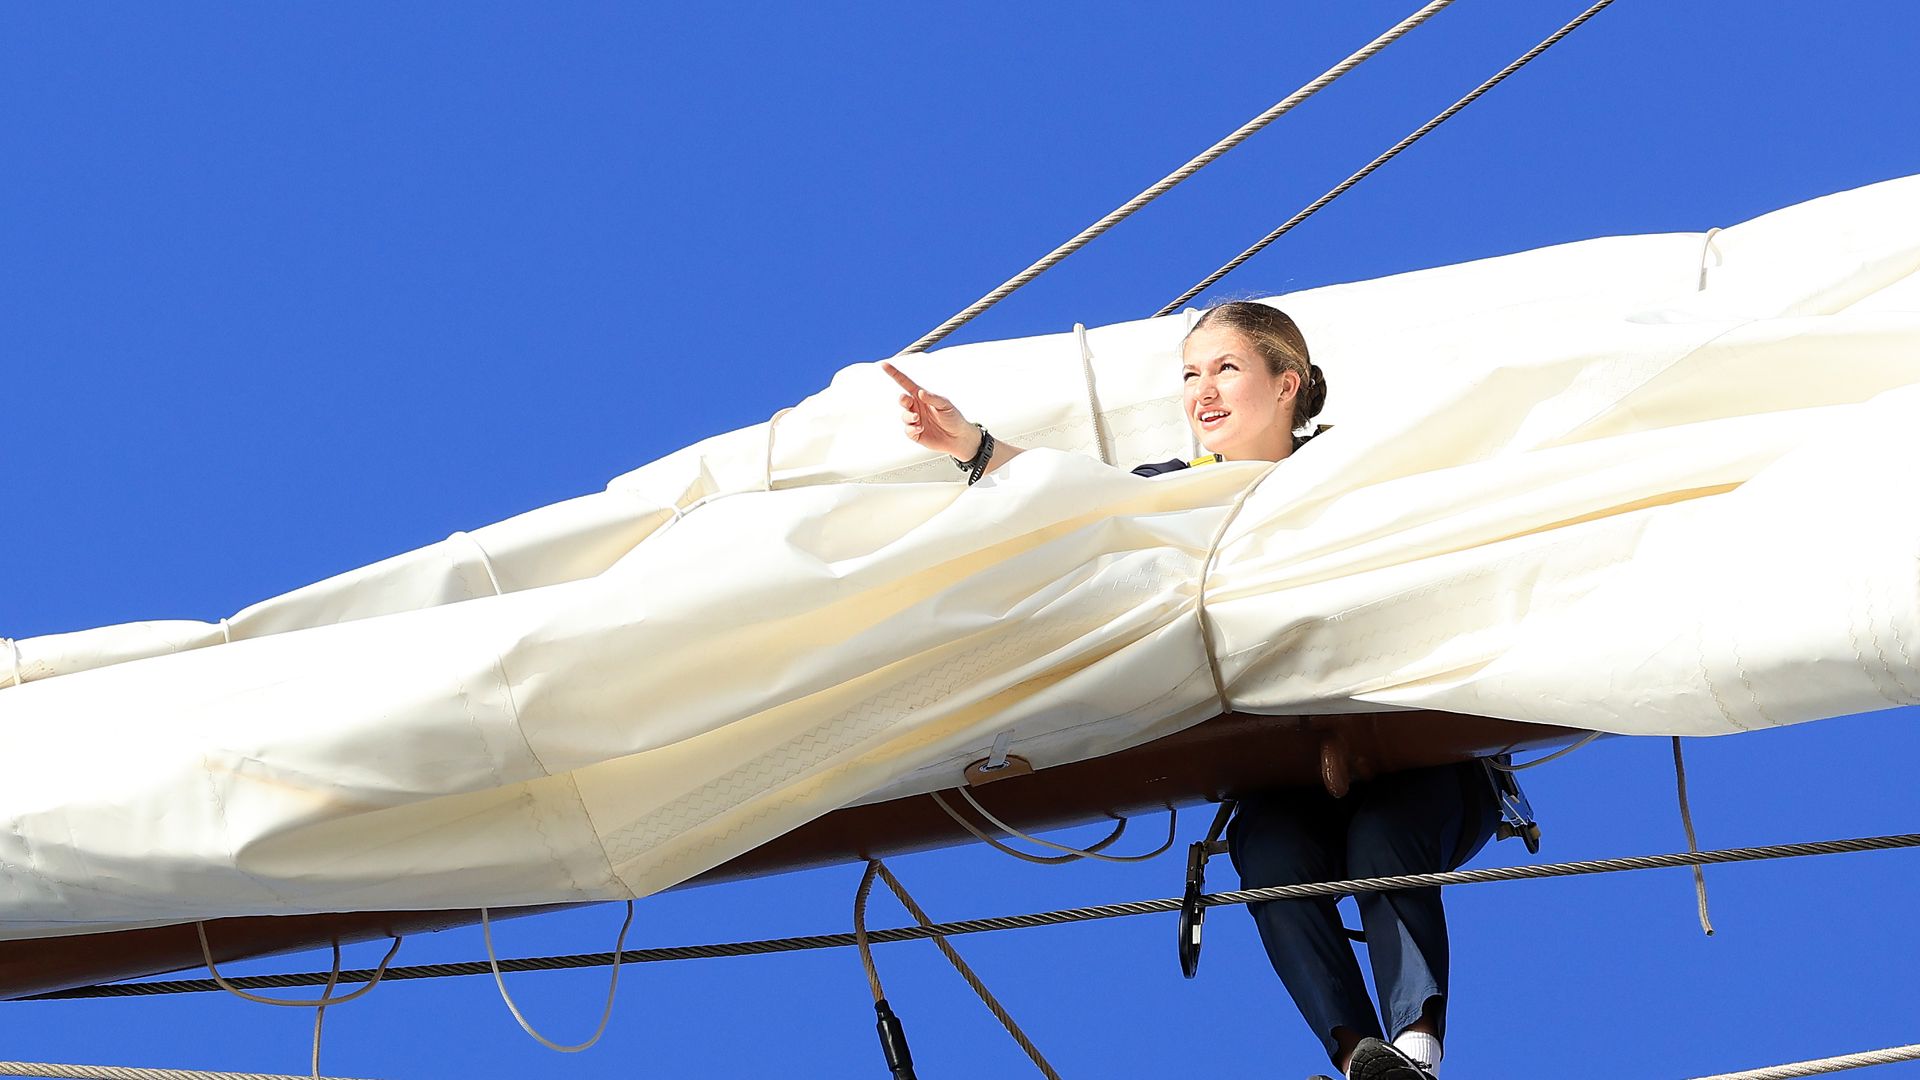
(486, 561)
(226, 633)
(1819, 1066)
(19, 665)
(613, 986)
(1093, 397)
(206, 953)
(1200, 595)
(1072, 854)
(773, 421)
(1166, 183)
(320, 1013)
(1693, 845)
(1173, 823)
(1706, 246)
(127, 1072)
(1555, 756)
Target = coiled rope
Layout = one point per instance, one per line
(1021, 922)
(1167, 183)
(1420, 133)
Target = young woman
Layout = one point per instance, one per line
(1249, 389)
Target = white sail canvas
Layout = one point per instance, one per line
(1645, 485)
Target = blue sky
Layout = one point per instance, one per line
(286, 289)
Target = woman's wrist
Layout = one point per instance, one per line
(972, 446)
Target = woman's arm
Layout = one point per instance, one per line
(934, 422)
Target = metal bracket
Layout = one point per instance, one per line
(1193, 914)
(1516, 813)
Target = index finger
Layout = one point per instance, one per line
(900, 377)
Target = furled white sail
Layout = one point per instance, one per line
(1645, 485)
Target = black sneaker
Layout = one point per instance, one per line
(1376, 1060)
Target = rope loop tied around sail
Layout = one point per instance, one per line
(613, 986)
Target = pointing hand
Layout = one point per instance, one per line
(932, 421)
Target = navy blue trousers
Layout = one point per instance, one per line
(1423, 821)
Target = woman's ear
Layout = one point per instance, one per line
(1289, 384)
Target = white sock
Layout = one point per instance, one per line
(1421, 1047)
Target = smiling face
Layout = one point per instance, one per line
(1237, 407)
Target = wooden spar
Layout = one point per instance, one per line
(1226, 756)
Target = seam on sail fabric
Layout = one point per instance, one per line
(1706, 676)
(1206, 572)
(1567, 432)
(513, 706)
(1873, 634)
(1899, 645)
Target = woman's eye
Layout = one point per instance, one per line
(1184, 376)
(1229, 366)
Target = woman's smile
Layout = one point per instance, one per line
(1238, 407)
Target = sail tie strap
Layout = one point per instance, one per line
(1340, 189)
(1167, 183)
(19, 666)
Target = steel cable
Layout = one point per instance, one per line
(862, 940)
(128, 1072)
(1318, 204)
(1019, 922)
(1820, 1066)
(1167, 183)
